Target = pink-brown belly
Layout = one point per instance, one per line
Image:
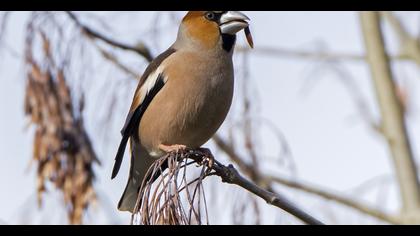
(191, 115)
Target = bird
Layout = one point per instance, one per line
(184, 95)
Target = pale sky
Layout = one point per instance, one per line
(332, 146)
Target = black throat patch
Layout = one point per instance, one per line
(228, 42)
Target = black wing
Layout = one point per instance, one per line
(131, 127)
(133, 119)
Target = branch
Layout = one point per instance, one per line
(410, 46)
(393, 122)
(228, 149)
(141, 49)
(111, 58)
(268, 181)
(172, 166)
(307, 55)
(335, 197)
(231, 175)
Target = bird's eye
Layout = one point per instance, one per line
(210, 15)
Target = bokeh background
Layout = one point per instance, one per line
(304, 98)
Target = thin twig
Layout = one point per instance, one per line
(409, 45)
(230, 175)
(392, 114)
(141, 49)
(307, 55)
(269, 180)
(108, 56)
(309, 188)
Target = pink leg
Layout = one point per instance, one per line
(172, 148)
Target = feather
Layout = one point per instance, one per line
(150, 84)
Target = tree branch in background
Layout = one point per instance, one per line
(393, 120)
(231, 175)
(110, 57)
(327, 195)
(268, 181)
(140, 49)
(308, 55)
(409, 45)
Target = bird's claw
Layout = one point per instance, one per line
(208, 159)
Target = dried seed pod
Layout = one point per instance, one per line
(61, 147)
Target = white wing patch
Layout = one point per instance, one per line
(151, 82)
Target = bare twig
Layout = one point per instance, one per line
(230, 175)
(268, 181)
(140, 49)
(150, 207)
(225, 147)
(307, 55)
(409, 45)
(310, 188)
(393, 121)
(162, 202)
(110, 57)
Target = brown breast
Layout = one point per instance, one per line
(192, 105)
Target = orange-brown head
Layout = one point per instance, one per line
(210, 29)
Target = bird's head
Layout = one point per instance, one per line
(210, 29)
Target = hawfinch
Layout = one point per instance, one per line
(183, 96)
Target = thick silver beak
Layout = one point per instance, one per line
(232, 22)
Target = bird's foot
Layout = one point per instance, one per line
(177, 148)
(208, 159)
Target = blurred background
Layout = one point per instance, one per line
(321, 115)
